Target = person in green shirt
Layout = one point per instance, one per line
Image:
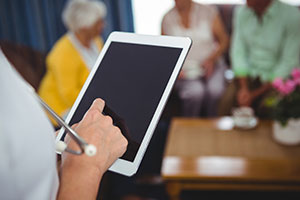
(265, 45)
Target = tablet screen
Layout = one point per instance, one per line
(131, 78)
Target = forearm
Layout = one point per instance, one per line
(221, 37)
(238, 50)
(243, 83)
(78, 182)
(288, 57)
(218, 52)
(261, 90)
(257, 92)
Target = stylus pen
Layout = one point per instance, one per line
(61, 146)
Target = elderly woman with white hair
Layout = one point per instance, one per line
(74, 54)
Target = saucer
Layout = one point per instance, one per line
(251, 123)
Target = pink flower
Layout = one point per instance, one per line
(290, 86)
(278, 83)
(296, 75)
(284, 88)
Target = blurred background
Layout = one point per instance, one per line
(30, 28)
(38, 24)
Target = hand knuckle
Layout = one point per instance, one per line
(93, 113)
(116, 129)
(108, 120)
(124, 141)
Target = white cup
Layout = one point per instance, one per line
(243, 116)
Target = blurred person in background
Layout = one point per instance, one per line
(74, 54)
(201, 81)
(265, 45)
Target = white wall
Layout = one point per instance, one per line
(148, 13)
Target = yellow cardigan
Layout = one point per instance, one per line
(66, 74)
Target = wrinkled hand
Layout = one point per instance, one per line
(97, 129)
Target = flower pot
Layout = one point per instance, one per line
(289, 134)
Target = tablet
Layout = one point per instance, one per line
(134, 75)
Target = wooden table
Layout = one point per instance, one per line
(199, 155)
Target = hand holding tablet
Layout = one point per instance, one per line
(134, 75)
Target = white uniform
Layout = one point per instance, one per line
(27, 148)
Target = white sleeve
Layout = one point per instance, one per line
(27, 148)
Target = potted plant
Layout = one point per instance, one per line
(286, 109)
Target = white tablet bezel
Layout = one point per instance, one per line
(123, 166)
